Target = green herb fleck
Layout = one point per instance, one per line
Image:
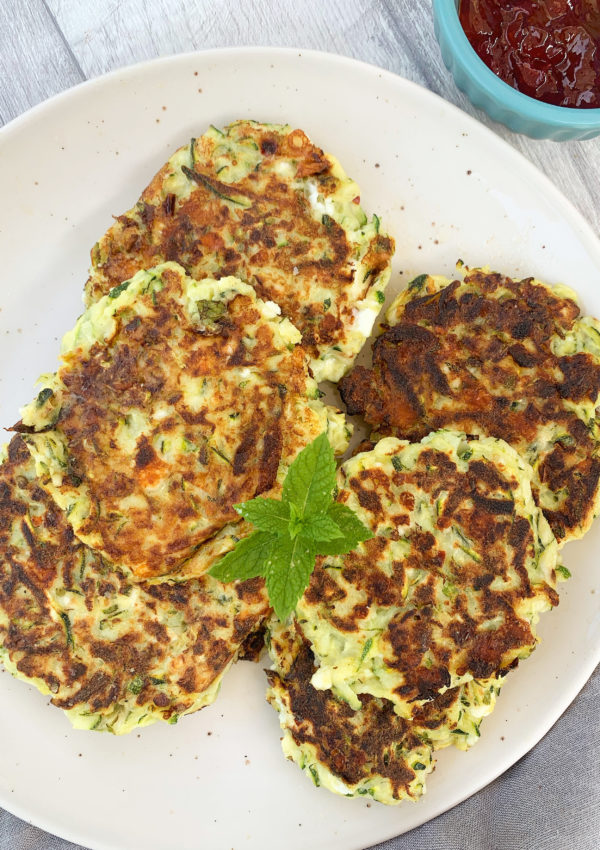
(565, 440)
(563, 572)
(136, 685)
(380, 296)
(209, 316)
(397, 463)
(43, 396)
(417, 283)
(117, 290)
(221, 455)
(240, 200)
(366, 648)
(67, 623)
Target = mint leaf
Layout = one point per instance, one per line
(353, 531)
(311, 478)
(248, 560)
(293, 531)
(288, 572)
(321, 529)
(266, 514)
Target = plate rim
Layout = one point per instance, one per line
(568, 212)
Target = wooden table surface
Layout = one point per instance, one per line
(47, 46)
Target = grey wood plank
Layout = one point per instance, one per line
(35, 59)
(159, 27)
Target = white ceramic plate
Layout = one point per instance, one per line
(446, 188)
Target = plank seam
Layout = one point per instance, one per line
(63, 38)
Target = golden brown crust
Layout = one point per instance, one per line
(478, 357)
(356, 746)
(268, 235)
(159, 435)
(448, 589)
(95, 639)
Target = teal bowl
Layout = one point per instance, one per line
(518, 111)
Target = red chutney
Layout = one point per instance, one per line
(548, 49)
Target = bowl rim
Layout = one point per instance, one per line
(446, 15)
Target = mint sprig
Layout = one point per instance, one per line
(292, 531)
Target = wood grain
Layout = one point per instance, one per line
(35, 59)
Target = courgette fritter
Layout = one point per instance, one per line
(113, 653)
(450, 587)
(263, 203)
(495, 357)
(175, 400)
(371, 751)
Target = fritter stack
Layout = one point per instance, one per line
(499, 380)
(182, 391)
(404, 641)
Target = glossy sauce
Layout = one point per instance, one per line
(548, 49)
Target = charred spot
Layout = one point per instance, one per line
(147, 213)
(440, 308)
(270, 458)
(482, 581)
(423, 339)
(522, 356)
(519, 532)
(422, 541)
(323, 588)
(521, 329)
(581, 377)
(462, 632)
(268, 146)
(486, 654)
(96, 690)
(472, 306)
(187, 682)
(245, 451)
(133, 325)
(27, 534)
(485, 471)
(253, 645)
(353, 746)
(145, 454)
(493, 506)
(252, 591)
(429, 682)
(17, 450)
(218, 654)
(355, 390)
(368, 499)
